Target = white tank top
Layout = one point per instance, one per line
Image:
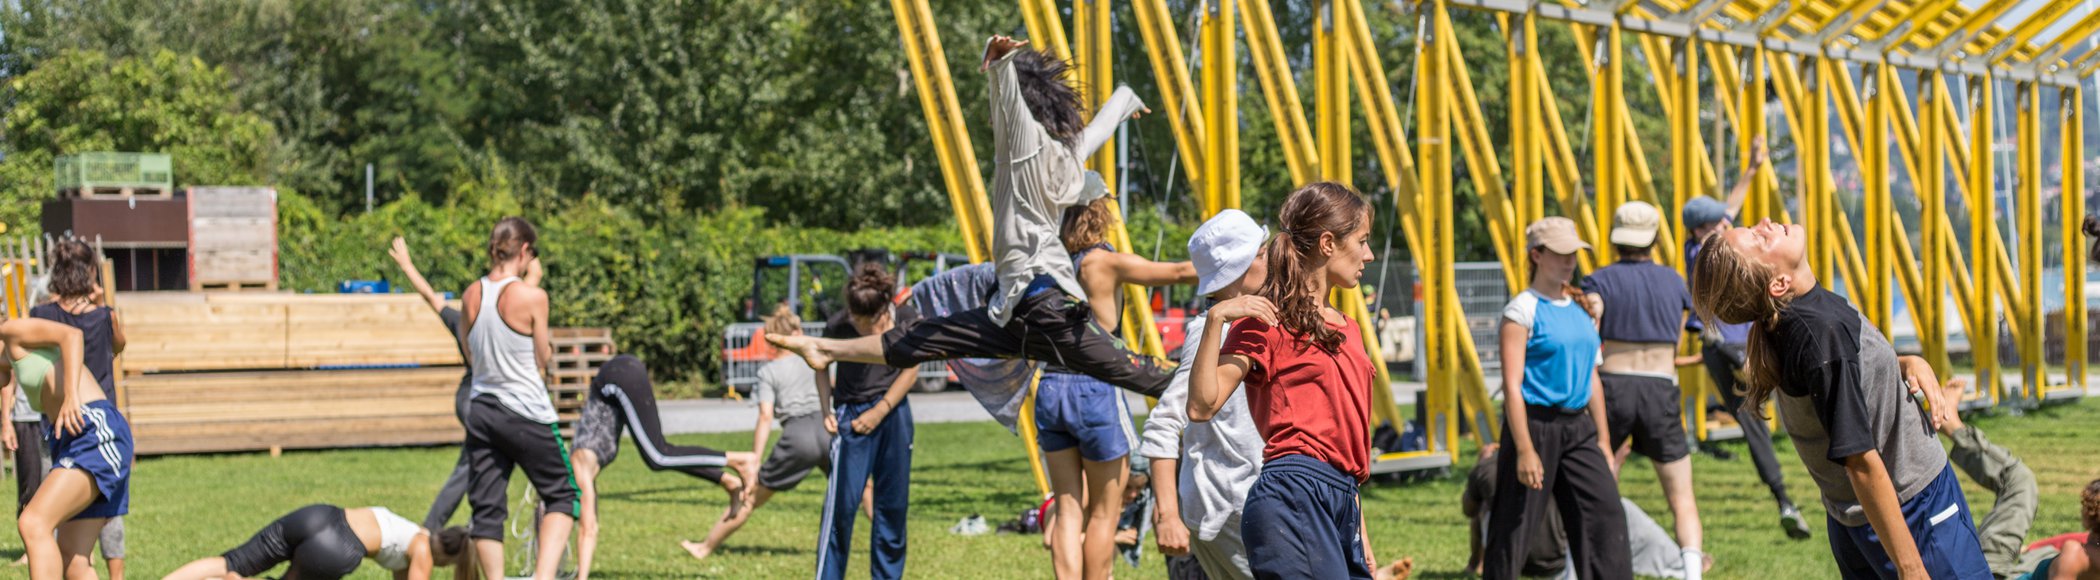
(395, 534)
(504, 365)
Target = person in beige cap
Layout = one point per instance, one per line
(1553, 440)
(1641, 309)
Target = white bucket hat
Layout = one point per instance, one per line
(1223, 248)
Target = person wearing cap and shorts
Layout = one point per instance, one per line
(1641, 310)
(1553, 443)
(1724, 349)
(1201, 472)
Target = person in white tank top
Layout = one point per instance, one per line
(323, 542)
(511, 424)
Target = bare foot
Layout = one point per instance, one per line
(1952, 393)
(805, 346)
(698, 550)
(1398, 570)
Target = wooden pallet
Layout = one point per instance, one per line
(102, 192)
(254, 286)
(578, 352)
(276, 410)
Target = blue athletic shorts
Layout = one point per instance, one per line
(1939, 523)
(103, 450)
(1080, 411)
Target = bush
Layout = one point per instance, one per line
(666, 285)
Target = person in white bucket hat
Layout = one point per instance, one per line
(1201, 471)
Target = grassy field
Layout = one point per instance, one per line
(188, 507)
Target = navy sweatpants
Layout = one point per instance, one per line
(1939, 522)
(885, 454)
(1302, 521)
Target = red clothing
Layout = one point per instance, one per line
(1306, 400)
(2058, 541)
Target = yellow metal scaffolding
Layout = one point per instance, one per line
(1853, 60)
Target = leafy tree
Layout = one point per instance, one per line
(83, 101)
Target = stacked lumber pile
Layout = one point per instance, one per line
(219, 372)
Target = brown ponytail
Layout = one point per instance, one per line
(1294, 255)
(1731, 287)
(510, 238)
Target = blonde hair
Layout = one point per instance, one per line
(1731, 287)
(783, 322)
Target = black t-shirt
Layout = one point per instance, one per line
(97, 336)
(1818, 347)
(857, 383)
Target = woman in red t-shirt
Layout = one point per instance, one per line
(1308, 383)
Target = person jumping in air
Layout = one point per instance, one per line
(1040, 311)
(325, 542)
(1894, 506)
(1308, 382)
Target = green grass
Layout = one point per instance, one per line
(194, 506)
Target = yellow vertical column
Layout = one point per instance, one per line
(1932, 195)
(2028, 215)
(1684, 178)
(1331, 94)
(1606, 100)
(1813, 145)
(1221, 122)
(2072, 111)
(1983, 332)
(1759, 204)
(1874, 169)
(944, 120)
(1433, 133)
(1525, 166)
(1094, 66)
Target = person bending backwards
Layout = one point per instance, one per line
(1641, 309)
(1040, 311)
(622, 398)
(511, 420)
(1892, 500)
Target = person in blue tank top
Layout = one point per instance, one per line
(1082, 423)
(1554, 434)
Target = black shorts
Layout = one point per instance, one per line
(499, 440)
(316, 539)
(1047, 326)
(1646, 409)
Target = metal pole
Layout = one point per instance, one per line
(368, 188)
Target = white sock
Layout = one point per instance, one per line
(1694, 563)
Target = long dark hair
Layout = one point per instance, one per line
(1294, 255)
(1734, 289)
(1050, 96)
(510, 237)
(74, 267)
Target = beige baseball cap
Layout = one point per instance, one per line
(1557, 234)
(1635, 224)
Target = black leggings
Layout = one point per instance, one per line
(316, 539)
(624, 383)
(1047, 326)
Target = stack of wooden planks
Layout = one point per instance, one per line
(223, 372)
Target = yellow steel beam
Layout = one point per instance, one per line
(1975, 22)
(1279, 90)
(2072, 111)
(1177, 94)
(1221, 156)
(1526, 191)
(2017, 38)
(1562, 172)
(1331, 91)
(1396, 161)
(1607, 97)
(1471, 131)
(1682, 80)
(1433, 124)
(1660, 57)
(2027, 215)
(1045, 29)
(1983, 339)
(944, 120)
(2079, 32)
(1930, 175)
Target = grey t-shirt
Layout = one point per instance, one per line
(1842, 394)
(789, 385)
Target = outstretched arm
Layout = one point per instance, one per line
(1742, 182)
(1133, 269)
(399, 251)
(1123, 104)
